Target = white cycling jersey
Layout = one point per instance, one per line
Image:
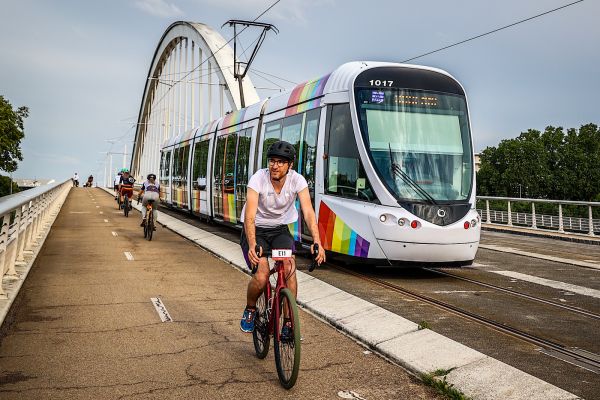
(275, 209)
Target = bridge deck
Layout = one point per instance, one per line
(84, 327)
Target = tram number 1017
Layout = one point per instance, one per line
(377, 82)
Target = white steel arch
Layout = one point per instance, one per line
(190, 82)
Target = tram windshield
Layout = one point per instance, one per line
(419, 143)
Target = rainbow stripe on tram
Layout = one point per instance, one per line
(303, 92)
(229, 211)
(337, 236)
(232, 119)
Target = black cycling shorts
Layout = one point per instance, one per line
(278, 237)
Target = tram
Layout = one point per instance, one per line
(386, 150)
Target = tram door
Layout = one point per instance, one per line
(307, 158)
(230, 176)
(199, 202)
(165, 177)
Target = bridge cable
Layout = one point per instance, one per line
(493, 31)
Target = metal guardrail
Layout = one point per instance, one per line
(557, 223)
(24, 217)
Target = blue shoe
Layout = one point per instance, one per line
(247, 322)
(287, 333)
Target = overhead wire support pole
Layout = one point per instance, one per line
(240, 68)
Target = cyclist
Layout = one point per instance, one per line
(269, 208)
(126, 185)
(116, 182)
(75, 180)
(150, 191)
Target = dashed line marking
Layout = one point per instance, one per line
(101, 212)
(128, 255)
(115, 234)
(161, 309)
(551, 283)
(97, 206)
(105, 220)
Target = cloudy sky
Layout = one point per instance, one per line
(81, 65)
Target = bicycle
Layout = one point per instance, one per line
(276, 308)
(149, 220)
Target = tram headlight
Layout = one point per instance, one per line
(467, 224)
(401, 221)
(473, 223)
(383, 218)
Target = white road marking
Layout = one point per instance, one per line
(79, 212)
(161, 309)
(460, 291)
(105, 220)
(540, 256)
(128, 255)
(550, 283)
(97, 206)
(115, 234)
(101, 212)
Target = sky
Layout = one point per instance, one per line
(81, 66)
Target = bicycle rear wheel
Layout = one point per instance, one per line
(150, 223)
(126, 206)
(260, 334)
(287, 349)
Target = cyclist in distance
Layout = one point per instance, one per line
(126, 185)
(150, 191)
(116, 182)
(269, 208)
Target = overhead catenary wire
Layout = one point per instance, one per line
(492, 31)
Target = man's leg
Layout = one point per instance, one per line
(258, 283)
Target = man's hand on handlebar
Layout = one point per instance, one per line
(254, 254)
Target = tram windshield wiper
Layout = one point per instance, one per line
(408, 180)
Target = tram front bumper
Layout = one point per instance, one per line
(428, 252)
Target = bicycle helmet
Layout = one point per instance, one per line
(151, 176)
(283, 150)
(125, 170)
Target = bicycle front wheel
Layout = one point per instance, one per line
(260, 334)
(287, 339)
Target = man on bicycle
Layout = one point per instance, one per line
(149, 192)
(116, 182)
(269, 208)
(125, 185)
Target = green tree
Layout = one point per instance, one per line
(5, 183)
(551, 165)
(11, 134)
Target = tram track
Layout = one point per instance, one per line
(516, 293)
(581, 358)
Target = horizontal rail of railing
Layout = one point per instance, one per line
(540, 221)
(24, 217)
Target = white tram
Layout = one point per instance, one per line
(386, 150)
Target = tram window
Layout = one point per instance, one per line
(166, 165)
(228, 174)
(272, 134)
(199, 166)
(217, 175)
(345, 173)
(309, 149)
(292, 128)
(185, 160)
(241, 173)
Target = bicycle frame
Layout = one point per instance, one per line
(272, 295)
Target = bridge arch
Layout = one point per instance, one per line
(190, 82)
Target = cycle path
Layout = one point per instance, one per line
(83, 325)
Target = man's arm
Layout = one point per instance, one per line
(310, 218)
(249, 224)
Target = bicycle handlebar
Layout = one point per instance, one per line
(313, 264)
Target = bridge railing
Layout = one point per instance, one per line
(24, 218)
(558, 222)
